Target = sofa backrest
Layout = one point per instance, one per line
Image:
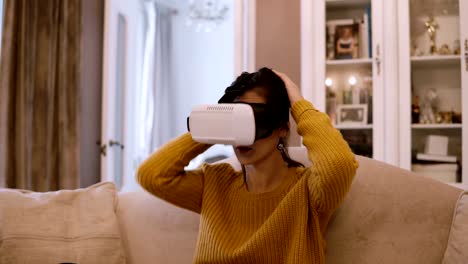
(389, 216)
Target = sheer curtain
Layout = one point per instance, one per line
(162, 84)
(154, 96)
(158, 108)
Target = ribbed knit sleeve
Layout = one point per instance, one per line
(163, 174)
(333, 163)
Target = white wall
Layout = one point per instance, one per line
(203, 64)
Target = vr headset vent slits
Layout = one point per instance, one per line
(238, 124)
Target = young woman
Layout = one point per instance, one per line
(274, 210)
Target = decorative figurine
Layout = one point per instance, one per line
(347, 96)
(445, 117)
(432, 26)
(444, 50)
(415, 110)
(429, 107)
(331, 100)
(456, 117)
(415, 51)
(456, 47)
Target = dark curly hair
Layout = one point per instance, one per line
(270, 86)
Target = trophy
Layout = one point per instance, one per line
(432, 26)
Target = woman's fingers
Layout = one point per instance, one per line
(294, 93)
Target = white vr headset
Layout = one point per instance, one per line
(231, 124)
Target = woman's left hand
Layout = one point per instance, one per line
(294, 93)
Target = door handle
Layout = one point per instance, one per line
(378, 61)
(102, 148)
(116, 143)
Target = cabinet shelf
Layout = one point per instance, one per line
(346, 3)
(354, 62)
(436, 60)
(353, 127)
(436, 126)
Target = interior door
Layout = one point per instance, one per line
(124, 40)
(122, 35)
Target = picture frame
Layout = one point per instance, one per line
(346, 41)
(351, 114)
(330, 34)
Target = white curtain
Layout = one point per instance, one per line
(154, 96)
(163, 101)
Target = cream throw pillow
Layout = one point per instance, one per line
(457, 246)
(67, 226)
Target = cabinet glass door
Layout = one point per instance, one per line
(349, 73)
(433, 144)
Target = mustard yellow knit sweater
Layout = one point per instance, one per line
(286, 225)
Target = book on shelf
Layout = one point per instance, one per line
(436, 158)
(364, 37)
(369, 29)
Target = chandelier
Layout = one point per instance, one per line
(206, 15)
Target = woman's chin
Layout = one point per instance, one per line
(245, 159)
(245, 162)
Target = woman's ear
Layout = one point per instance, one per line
(283, 132)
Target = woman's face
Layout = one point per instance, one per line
(261, 148)
(347, 32)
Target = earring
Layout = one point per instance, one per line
(280, 146)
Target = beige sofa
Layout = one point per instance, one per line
(389, 216)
